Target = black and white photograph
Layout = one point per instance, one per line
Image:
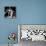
(10, 12)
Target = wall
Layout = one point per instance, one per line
(27, 12)
(33, 11)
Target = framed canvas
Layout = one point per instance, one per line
(32, 32)
(10, 12)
